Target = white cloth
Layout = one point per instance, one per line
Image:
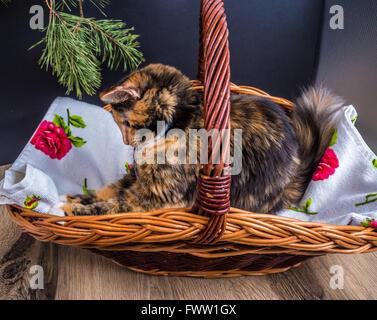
(335, 198)
(102, 160)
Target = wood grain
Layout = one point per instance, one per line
(72, 273)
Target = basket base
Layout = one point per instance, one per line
(182, 264)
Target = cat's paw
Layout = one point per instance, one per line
(68, 209)
(76, 209)
(80, 198)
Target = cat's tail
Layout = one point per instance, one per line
(314, 119)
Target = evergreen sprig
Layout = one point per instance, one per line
(65, 4)
(109, 39)
(70, 4)
(76, 46)
(6, 2)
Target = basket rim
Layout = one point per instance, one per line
(173, 229)
(234, 211)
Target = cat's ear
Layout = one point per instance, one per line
(120, 93)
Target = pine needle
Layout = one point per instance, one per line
(61, 5)
(5, 2)
(76, 47)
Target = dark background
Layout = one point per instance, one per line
(276, 45)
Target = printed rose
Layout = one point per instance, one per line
(327, 166)
(369, 223)
(51, 140)
(31, 202)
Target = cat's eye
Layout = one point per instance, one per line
(126, 123)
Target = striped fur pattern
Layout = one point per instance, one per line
(279, 155)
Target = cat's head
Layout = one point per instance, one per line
(154, 93)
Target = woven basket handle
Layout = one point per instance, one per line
(213, 187)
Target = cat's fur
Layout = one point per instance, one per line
(279, 154)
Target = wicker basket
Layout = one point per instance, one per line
(210, 239)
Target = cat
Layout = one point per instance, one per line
(279, 153)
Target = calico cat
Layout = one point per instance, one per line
(279, 154)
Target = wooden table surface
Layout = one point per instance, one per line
(72, 273)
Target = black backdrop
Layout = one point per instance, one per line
(274, 46)
(348, 61)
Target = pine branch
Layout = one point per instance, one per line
(111, 40)
(81, 15)
(5, 2)
(100, 5)
(75, 47)
(70, 58)
(51, 5)
(61, 5)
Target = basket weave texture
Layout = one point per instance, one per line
(194, 241)
(159, 242)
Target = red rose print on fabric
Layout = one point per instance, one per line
(369, 223)
(327, 166)
(31, 202)
(329, 161)
(129, 167)
(51, 140)
(55, 138)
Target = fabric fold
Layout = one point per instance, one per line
(96, 157)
